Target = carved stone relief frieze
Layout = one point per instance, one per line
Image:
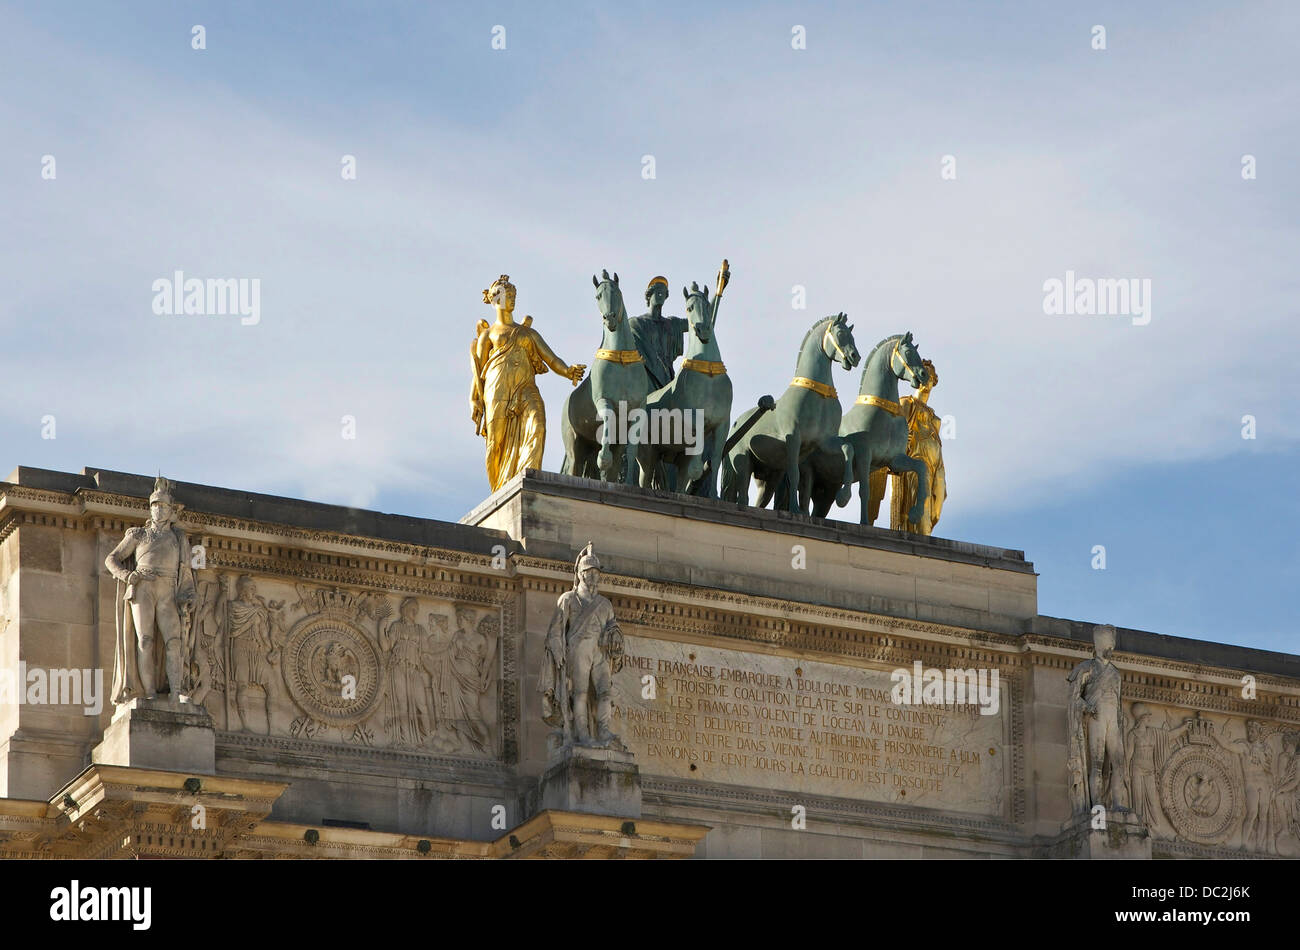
(1226, 782)
(412, 673)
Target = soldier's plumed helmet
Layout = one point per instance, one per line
(586, 560)
(162, 492)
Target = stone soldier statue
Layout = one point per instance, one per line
(155, 591)
(584, 649)
(1096, 730)
(658, 338)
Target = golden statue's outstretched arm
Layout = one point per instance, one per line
(573, 373)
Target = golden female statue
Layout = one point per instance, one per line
(922, 443)
(507, 408)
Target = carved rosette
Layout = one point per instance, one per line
(1200, 794)
(324, 649)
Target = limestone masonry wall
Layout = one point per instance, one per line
(761, 650)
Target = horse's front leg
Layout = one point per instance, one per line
(647, 460)
(708, 488)
(805, 483)
(792, 473)
(846, 482)
(607, 430)
(905, 463)
(695, 447)
(634, 451)
(741, 471)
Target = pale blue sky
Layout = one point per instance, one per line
(816, 167)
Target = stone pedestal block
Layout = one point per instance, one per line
(1125, 836)
(595, 781)
(158, 734)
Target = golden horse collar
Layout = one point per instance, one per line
(821, 389)
(619, 356)
(885, 404)
(707, 367)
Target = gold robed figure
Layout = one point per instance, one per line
(923, 443)
(507, 407)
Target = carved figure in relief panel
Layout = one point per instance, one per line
(460, 667)
(468, 673)
(1149, 747)
(1096, 732)
(409, 716)
(251, 624)
(1258, 770)
(1148, 750)
(1286, 803)
(435, 658)
(210, 652)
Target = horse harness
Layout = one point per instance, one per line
(822, 389)
(707, 367)
(891, 407)
(623, 357)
